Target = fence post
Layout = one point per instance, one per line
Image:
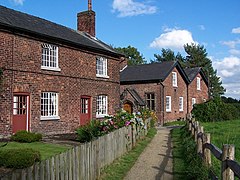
(200, 141)
(228, 152)
(196, 130)
(189, 124)
(192, 128)
(206, 151)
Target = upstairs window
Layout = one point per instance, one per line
(102, 104)
(174, 79)
(50, 57)
(180, 103)
(49, 105)
(168, 104)
(198, 83)
(150, 100)
(101, 67)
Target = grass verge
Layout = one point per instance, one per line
(175, 123)
(186, 163)
(46, 150)
(119, 168)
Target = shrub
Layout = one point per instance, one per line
(18, 158)
(88, 132)
(215, 110)
(26, 137)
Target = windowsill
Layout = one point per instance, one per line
(199, 89)
(101, 115)
(49, 118)
(175, 86)
(50, 68)
(102, 76)
(168, 111)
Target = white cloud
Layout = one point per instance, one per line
(236, 30)
(231, 44)
(173, 39)
(234, 52)
(228, 70)
(202, 27)
(18, 2)
(132, 8)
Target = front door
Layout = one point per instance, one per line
(128, 107)
(20, 112)
(85, 110)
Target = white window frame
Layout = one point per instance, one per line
(180, 103)
(102, 106)
(193, 101)
(50, 57)
(102, 67)
(198, 83)
(168, 104)
(49, 106)
(174, 79)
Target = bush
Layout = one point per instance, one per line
(215, 110)
(26, 137)
(88, 132)
(18, 158)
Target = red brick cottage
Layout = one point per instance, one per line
(54, 78)
(197, 87)
(162, 86)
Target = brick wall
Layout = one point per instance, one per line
(200, 95)
(77, 77)
(175, 93)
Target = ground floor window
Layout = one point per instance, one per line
(102, 103)
(150, 100)
(49, 105)
(168, 104)
(180, 103)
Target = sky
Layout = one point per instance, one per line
(150, 25)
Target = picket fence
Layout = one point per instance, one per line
(83, 162)
(229, 167)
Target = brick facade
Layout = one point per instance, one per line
(21, 61)
(200, 95)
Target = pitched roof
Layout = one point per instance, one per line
(150, 72)
(136, 96)
(32, 25)
(193, 72)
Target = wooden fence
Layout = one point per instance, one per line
(83, 162)
(229, 167)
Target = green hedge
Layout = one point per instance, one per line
(19, 158)
(26, 137)
(215, 110)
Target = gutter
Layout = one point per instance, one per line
(162, 102)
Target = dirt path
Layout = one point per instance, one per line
(155, 163)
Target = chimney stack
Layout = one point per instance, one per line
(86, 20)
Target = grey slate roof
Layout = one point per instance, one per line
(192, 73)
(24, 23)
(149, 72)
(136, 96)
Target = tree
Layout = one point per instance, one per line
(133, 55)
(197, 57)
(168, 55)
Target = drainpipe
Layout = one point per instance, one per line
(162, 101)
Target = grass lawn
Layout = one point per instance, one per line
(119, 168)
(175, 123)
(225, 132)
(46, 150)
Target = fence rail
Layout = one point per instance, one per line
(229, 167)
(83, 162)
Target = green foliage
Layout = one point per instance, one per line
(167, 55)
(215, 110)
(26, 137)
(88, 132)
(184, 153)
(18, 158)
(133, 55)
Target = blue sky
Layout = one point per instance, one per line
(150, 25)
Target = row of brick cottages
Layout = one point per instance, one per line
(56, 79)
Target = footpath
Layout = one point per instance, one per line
(155, 163)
